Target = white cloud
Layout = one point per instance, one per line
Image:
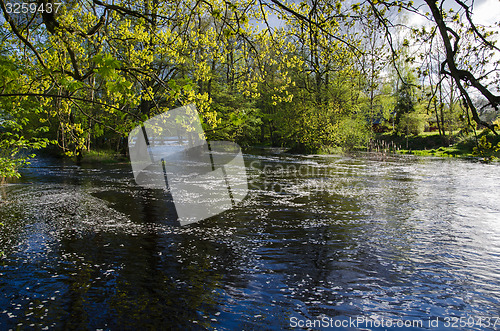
(486, 12)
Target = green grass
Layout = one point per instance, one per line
(425, 141)
(440, 152)
(103, 156)
(432, 144)
(326, 150)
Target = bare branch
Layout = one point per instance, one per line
(458, 74)
(473, 26)
(316, 24)
(22, 38)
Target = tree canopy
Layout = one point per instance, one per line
(300, 74)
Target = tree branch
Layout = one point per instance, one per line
(458, 74)
(305, 19)
(22, 38)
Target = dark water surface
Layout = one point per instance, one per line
(400, 239)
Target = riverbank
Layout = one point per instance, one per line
(455, 144)
(102, 156)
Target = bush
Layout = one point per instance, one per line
(412, 124)
(15, 148)
(486, 149)
(352, 132)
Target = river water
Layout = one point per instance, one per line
(380, 241)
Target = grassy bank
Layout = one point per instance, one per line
(102, 156)
(455, 144)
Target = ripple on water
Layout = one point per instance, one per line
(406, 238)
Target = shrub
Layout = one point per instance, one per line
(486, 149)
(15, 148)
(412, 123)
(352, 132)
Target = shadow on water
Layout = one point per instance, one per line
(146, 205)
(80, 254)
(84, 247)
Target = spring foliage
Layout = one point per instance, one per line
(83, 77)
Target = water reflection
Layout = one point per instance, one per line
(337, 237)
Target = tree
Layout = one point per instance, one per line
(465, 80)
(95, 69)
(18, 135)
(405, 102)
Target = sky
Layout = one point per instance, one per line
(485, 12)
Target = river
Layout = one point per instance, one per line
(370, 239)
